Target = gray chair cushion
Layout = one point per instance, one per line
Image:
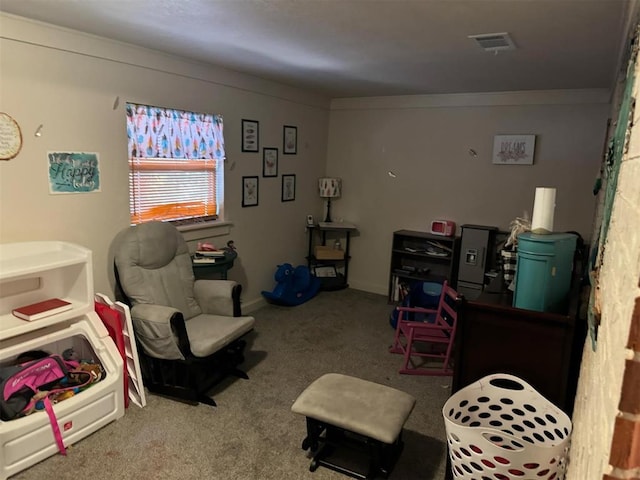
(209, 333)
(155, 267)
(154, 331)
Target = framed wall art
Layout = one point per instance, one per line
(250, 135)
(249, 191)
(269, 162)
(10, 137)
(73, 172)
(289, 140)
(288, 188)
(513, 149)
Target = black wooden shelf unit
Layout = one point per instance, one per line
(421, 256)
(333, 272)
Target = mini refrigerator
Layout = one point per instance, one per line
(476, 258)
(544, 270)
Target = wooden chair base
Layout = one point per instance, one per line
(189, 380)
(360, 431)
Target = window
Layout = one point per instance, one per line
(175, 165)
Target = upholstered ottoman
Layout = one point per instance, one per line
(362, 423)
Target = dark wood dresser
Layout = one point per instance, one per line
(543, 349)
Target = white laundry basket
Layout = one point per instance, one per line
(501, 428)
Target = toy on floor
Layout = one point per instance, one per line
(295, 285)
(420, 294)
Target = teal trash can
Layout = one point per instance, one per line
(544, 270)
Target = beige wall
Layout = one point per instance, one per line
(69, 82)
(425, 141)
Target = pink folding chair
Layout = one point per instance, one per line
(422, 342)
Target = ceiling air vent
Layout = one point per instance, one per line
(493, 42)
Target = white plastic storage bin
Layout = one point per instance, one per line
(500, 427)
(28, 440)
(35, 271)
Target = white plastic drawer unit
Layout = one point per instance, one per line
(34, 271)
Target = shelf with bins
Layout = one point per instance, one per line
(421, 256)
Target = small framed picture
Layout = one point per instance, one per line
(288, 188)
(250, 136)
(289, 140)
(249, 191)
(513, 149)
(269, 162)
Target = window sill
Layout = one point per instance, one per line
(201, 231)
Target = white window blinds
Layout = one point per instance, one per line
(175, 164)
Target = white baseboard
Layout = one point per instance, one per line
(249, 306)
(369, 287)
(253, 305)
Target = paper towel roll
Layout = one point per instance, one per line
(543, 208)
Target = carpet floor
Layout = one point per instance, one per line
(252, 433)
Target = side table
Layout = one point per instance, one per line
(337, 280)
(217, 270)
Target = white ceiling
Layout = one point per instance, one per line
(351, 48)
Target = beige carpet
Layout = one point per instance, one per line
(252, 434)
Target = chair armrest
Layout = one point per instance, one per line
(161, 331)
(427, 326)
(416, 309)
(218, 297)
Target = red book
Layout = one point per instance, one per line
(39, 310)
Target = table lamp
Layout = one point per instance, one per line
(329, 188)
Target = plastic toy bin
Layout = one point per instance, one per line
(501, 428)
(32, 272)
(27, 440)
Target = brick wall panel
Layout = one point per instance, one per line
(634, 333)
(596, 419)
(630, 398)
(625, 447)
(627, 183)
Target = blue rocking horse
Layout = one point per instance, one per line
(295, 285)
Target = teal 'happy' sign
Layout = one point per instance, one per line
(73, 172)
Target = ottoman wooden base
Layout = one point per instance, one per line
(349, 453)
(353, 426)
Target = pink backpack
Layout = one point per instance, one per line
(21, 386)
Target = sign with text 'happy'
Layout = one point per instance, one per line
(73, 172)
